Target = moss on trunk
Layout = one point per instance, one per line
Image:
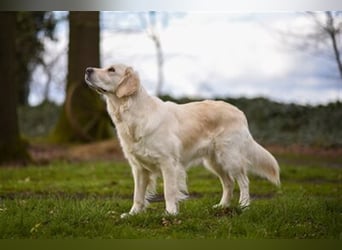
(83, 117)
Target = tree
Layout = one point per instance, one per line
(321, 37)
(153, 34)
(148, 22)
(12, 148)
(329, 28)
(31, 28)
(83, 116)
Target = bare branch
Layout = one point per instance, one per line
(325, 36)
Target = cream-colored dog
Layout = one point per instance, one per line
(166, 138)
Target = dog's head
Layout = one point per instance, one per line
(117, 79)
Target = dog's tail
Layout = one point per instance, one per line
(264, 164)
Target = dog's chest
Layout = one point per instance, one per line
(141, 149)
(145, 156)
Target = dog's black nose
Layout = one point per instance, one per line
(89, 70)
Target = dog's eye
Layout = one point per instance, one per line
(111, 69)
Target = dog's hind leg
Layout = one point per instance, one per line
(226, 180)
(243, 182)
(182, 185)
(172, 193)
(234, 161)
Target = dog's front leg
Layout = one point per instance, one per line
(171, 191)
(141, 179)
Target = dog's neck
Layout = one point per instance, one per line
(129, 105)
(127, 111)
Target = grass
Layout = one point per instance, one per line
(85, 200)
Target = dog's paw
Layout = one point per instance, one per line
(125, 215)
(171, 212)
(217, 206)
(220, 206)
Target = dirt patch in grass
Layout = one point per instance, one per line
(103, 150)
(82, 195)
(48, 195)
(43, 153)
(305, 150)
(308, 156)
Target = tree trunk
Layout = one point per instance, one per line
(160, 63)
(12, 148)
(83, 117)
(160, 59)
(336, 53)
(330, 29)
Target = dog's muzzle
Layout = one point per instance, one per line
(88, 72)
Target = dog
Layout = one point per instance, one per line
(165, 138)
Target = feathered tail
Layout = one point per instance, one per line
(264, 164)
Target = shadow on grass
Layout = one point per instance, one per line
(227, 211)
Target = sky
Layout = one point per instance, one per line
(212, 54)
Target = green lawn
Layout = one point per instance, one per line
(85, 200)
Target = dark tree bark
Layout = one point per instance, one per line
(12, 148)
(30, 27)
(84, 117)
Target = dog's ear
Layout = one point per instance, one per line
(129, 84)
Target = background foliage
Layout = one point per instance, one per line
(270, 122)
(285, 124)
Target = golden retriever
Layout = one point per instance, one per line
(166, 138)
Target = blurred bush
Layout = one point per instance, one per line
(270, 122)
(38, 121)
(287, 124)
